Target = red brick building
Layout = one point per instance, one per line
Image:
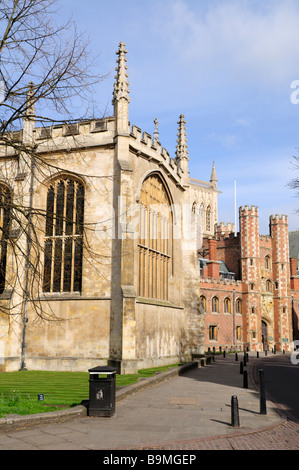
(249, 286)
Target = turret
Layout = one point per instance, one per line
(281, 276)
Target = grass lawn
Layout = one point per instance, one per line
(19, 390)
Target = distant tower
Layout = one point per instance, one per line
(121, 92)
(281, 277)
(182, 158)
(250, 269)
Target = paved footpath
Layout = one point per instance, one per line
(187, 412)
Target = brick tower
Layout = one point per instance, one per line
(281, 277)
(250, 272)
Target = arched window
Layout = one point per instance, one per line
(238, 306)
(155, 239)
(238, 333)
(227, 305)
(203, 302)
(267, 262)
(64, 236)
(268, 285)
(5, 207)
(215, 304)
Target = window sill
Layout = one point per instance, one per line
(160, 303)
(68, 296)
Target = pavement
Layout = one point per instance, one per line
(185, 409)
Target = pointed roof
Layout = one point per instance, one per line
(181, 148)
(213, 175)
(121, 85)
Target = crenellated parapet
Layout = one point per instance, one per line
(225, 230)
(278, 219)
(67, 137)
(249, 211)
(143, 145)
(221, 282)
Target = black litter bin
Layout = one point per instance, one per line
(102, 391)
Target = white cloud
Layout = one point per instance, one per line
(226, 141)
(243, 122)
(235, 40)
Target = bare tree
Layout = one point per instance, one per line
(55, 58)
(46, 71)
(294, 183)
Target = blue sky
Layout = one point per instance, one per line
(227, 66)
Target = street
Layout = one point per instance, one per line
(282, 382)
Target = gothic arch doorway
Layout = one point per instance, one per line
(264, 335)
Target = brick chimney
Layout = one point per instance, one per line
(293, 266)
(213, 264)
(293, 272)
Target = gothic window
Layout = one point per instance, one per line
(267, 262)
(238, 333)
(208, 219)
(268, 286)
(64, 236)
(238, 306)
(5, 204)
(215, 304)
(155, 240)
(203, 302)
(227, 305)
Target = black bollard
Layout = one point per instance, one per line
(235, 411)
(244, 360)
(266, 352)
(241, 367)
(236, 356)
(224, 353)
(245, 379)
(247, 357)
(263, 407)
(257, 354)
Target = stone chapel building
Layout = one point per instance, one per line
(135, 270)
(118, 275)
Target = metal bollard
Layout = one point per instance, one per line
(244, 360)
(236, 356)
(224, 353)
(263, 406)
(235, 421)
(241, 367)
(257, 354)
(245, 379)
